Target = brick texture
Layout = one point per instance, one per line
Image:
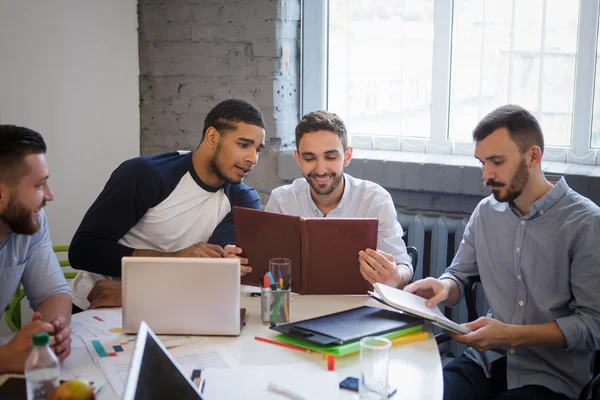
(196, 53)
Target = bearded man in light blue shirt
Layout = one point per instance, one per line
(26, 254)
(535, 246)
(322, 152)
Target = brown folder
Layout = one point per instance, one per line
(323, 251)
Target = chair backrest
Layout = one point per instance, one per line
(12, 313)
(64, 262)
(414, 255)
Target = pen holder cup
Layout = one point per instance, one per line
(275, 306)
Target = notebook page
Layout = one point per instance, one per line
(415, 305)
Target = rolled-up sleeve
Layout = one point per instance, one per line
(582, 328)
(42, 277)
(464, 263)
(389, 233)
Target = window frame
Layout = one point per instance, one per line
(314, 85)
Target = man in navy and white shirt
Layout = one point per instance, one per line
(26, 254)
(176, 204)
(322, 152)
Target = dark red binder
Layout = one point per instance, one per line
(323, 251)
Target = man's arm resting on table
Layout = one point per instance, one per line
(4, 360)
(55, 306)
(205, 250)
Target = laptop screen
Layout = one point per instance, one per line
(154, 374)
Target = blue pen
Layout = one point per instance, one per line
(280, 276)
(271, 280)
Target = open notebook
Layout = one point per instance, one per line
(414, 305)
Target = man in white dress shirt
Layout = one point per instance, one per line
(322, 153)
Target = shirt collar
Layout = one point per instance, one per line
(197, 179)
(345, 196)
(547, 201)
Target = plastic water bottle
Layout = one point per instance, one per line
(42, 370)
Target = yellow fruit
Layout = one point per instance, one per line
(73, 389)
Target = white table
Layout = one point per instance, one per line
(415, 369)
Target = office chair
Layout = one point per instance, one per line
(12, 313)
(414, 255)
(471, 289)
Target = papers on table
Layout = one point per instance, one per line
(97, 323)
(188, 357)
(123, 345)
(252, 382)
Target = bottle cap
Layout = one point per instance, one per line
(41, 339)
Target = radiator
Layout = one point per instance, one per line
(437, 238)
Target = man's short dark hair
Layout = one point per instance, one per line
(17, 142)
(522, 126)
(322, 121)
(225, 115)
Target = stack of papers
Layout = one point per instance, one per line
(189, 358)
(408, 335)
(110, 349)
(119, 346)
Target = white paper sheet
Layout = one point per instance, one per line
(251, 382)
(188, 357)
(123, 345)
(97, 323)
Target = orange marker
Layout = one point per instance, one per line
(266, 282)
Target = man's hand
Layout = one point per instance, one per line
(234, 251)
(18, 349)
(487, 333)
(203, 250)
(105, 293)
(434, 290)
(377, 266)
(62, 337)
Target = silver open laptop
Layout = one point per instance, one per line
(154, 374)
(198, 296)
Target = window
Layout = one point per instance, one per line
(417, 75)
(380, 61)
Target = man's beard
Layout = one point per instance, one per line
(19, 219)
(216, 169)
(335, 181)
(515, 187)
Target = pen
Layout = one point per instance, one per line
(286, 309)
(291, 346)
(277, 310)
(286, 392)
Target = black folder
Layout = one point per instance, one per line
(348, 326)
